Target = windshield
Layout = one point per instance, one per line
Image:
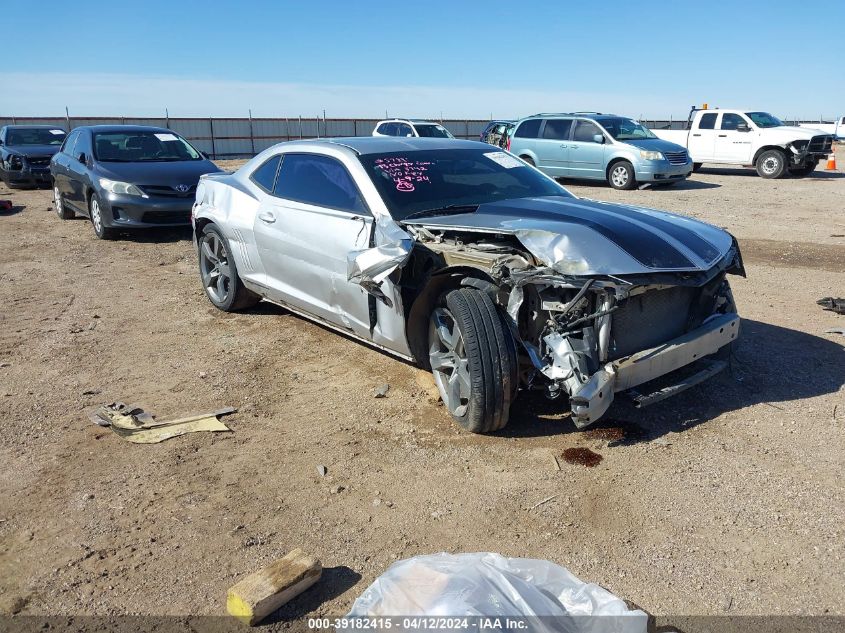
(411, 182)
(432, 131)
(764, 119)
(626, 129)
(35, 136)
(137, 147)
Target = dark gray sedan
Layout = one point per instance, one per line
(127, 177)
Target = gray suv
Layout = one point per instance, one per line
(599, 146)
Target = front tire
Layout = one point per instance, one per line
(621, 175)
(771, 164)
(61, 210)
(696, 167)
(95, 212)
(219, 274)
(473, 358)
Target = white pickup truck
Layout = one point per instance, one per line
(836, 128)
(758, 139)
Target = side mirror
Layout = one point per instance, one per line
(742, 127)
(598, 138)
(82, 158)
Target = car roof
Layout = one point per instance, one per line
(587, 115)
(412, 121)
(384, 144)
(23, 126)
(124, 128)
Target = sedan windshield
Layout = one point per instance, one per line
(136, 147)
(764, 119)
(432, 131)
(431, 182)
(626, 129)
(35, 136)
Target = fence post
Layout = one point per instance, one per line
(213, 146)
(300, 127)
(251, 135)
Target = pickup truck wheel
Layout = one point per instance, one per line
(806, 170)
(621, 175)
(771, 164)
(473, 358)
(219, 275)
(696, 166)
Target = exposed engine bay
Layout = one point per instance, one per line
(588, 336)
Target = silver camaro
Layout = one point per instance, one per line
(462, 258)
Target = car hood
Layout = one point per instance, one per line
(655, 144)
(171, 174)
(585, 237)
(33, 150)
(787, 133)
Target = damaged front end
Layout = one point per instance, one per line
(590, 335)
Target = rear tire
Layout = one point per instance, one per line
(621, 175)
(771, 164)
(219, 274)
(473, 358)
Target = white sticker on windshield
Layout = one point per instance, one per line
(505, 160)
(57, 132)
(166, 137)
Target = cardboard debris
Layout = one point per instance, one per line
(135, 425)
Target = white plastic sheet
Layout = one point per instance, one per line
(489, 585)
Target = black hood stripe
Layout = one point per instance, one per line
(646, 247)
(691, 240)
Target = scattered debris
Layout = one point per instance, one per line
(5, 205)
(381, 390)
(539, 503)
(835, 330)
(322, 470)
(661, 441)
(135, 425)
(609, 434)
(581, 456)
(336, 490)
(203, 374)
(4, 365)
(91, 392)
(557, 463)
(263, 592)
(376, 502)
(834, 305)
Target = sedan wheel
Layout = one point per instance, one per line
(219, 273)
(449, 363)
(95, 212)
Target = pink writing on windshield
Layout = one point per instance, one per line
(405, 173)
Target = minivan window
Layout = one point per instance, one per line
(142, 147)
(318, 180)
(557, 129)
(708, 121)
(35, 136)
(584, 131)
(528, 129)
(731, 121)
(623, 129)
(265, 175)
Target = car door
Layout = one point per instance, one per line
(553, 146)
(77, 171)
(702, 138)
(586, 155)
(304, 231)
(733, 146)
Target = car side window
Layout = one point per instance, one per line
(731, 121)
(403, 129)
(70, 141)
(557, 129)
(384, 128)
(528, 129)
(83, 145)
(265, 175)
(319, 180)
(707, 121)
(585, 131)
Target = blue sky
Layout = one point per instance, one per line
(464, 59)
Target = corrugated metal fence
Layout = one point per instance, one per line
(237, 137)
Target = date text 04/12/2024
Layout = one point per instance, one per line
(420, 623)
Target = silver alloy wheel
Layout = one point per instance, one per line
(770, 165)
(96, 220)
(619, 176)
(57, 200)
(449, 364)
(214, 268)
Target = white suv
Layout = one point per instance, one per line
(411, 127)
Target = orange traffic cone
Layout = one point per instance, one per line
(831, 160)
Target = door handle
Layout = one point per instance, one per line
(563, 146)
(696, 134)
(722, 135)
(267, 217)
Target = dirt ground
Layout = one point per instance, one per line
(726, 499)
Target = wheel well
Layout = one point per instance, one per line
(766, 148)
(618, 159)
(200, 224)
(416, 327)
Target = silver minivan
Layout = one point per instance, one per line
(599, 146)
